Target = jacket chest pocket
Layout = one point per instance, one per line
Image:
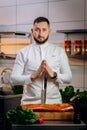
(53, 61)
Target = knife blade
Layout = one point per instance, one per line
(44, 90)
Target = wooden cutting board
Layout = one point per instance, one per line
(55, 115)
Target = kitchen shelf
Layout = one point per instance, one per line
(82, 57)
(72, 31)
(24, 34)
(11, 42)
(75, 31)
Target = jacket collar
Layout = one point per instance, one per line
(42, 45)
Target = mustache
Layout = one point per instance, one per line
(40, 36)
(40, 42)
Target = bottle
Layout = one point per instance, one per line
(77, 119)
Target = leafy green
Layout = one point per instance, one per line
(69, 93)
(17, 89)
(82, 95)
(21, 116)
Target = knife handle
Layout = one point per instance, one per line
(45, 82)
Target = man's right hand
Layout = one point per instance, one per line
(43, 69)
(39, 72)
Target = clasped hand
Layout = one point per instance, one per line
(43, 69)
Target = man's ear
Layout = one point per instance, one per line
(32, 30)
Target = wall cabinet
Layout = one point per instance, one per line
(66, 10)
(70, 14)
(63, 14)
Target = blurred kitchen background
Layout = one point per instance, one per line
(68, 22)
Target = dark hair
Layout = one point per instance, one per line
(41, 19)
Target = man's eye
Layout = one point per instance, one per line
(36, 29)
(44, 29)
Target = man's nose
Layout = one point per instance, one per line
(40, 32)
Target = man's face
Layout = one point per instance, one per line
(41, 32)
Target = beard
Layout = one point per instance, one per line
(40, 42)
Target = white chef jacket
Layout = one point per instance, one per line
(28, 61)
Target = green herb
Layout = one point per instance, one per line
(21, 116)
(69, 93)
(82, 95)
(17, 89)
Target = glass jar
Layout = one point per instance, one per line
(67, 46)
(84, 47)
(77, 47)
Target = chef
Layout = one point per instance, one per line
(41, 67)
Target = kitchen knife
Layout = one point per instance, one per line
(44, 90)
